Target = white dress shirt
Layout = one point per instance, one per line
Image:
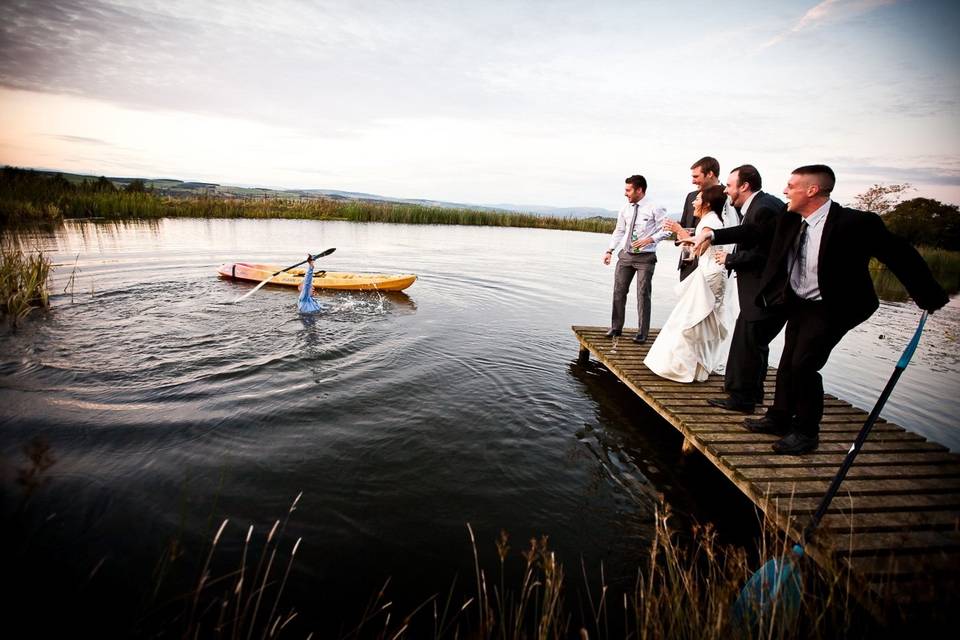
(649, 223)
(805, 282)
(746, 206)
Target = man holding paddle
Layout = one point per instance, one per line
(817, 273)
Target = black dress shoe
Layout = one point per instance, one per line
(795, 444)
(730, 405)
(638, 339)
(766, 425)
(613, 333)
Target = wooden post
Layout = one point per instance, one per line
(584, 356)
(687, 447)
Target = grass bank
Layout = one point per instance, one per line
(29, 198)
(944, 264)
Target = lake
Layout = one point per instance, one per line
(399, 417)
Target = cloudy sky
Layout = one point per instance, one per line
(487, 102)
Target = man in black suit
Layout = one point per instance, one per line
(756, 326)
(703, 173)
(818, 273)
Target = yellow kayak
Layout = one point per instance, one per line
(321, 280)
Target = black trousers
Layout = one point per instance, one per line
(747, 361)
(809, 339)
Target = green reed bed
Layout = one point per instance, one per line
(29, 197)
(943, 263)
(23, 284)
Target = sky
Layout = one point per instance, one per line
(547, 103)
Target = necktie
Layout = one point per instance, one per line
(798, 271)
(633, 221)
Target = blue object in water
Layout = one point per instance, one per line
(306, 303)
(772, 593)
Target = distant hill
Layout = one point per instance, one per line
(180, 188)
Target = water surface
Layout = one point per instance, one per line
(400, 417)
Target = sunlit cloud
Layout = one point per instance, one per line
(825, 12)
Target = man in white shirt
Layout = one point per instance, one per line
(639, 229)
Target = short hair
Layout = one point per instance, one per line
(747, 173)
(638, 182)
(707, 164)
(826, 178)
(714, 197)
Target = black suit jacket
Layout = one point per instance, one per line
(749, 260)
(850, 238)
(687, 219)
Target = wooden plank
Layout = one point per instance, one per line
(730, 435)
(870, 447)
(864, 504)
(844, 523)
(857, 471)
(897, 543)
(834, 460)
(859, 487)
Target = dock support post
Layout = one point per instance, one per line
(584, 356)
(687, 447)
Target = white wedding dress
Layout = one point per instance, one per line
(694, 340)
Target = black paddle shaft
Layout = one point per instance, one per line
(865, 430)
(294, 266)
(852, 453)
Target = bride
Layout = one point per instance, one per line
(691, 343)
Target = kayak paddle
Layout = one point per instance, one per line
(778, 580)
(273, 275)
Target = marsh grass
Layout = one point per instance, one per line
(23, 284)
(685, 589)
(944, 264)
(27, 197)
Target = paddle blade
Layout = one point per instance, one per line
(251, 292)
(325, 253)
(771, 595)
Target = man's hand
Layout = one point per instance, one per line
(721, 257)
(641, 243)
(606, 257)
(701, 242)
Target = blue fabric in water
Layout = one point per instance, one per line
(306, 303)
(772, 595)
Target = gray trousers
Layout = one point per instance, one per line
(628, 264)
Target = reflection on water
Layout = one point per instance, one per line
(401, 416)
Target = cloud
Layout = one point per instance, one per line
(825, 12)
(946, 174)
(80, 139)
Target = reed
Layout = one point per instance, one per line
(685, 589)
(29, 198)
(944, 265)
(23, 284)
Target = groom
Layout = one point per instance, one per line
(756, 326)
(818, 276)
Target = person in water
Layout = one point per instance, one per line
(306, 303)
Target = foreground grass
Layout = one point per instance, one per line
(23, 284)
(686, 590)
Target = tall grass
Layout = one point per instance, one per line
(23, 284)
(943, 263)
(686, 589)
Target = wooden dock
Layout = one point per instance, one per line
(894, 527)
